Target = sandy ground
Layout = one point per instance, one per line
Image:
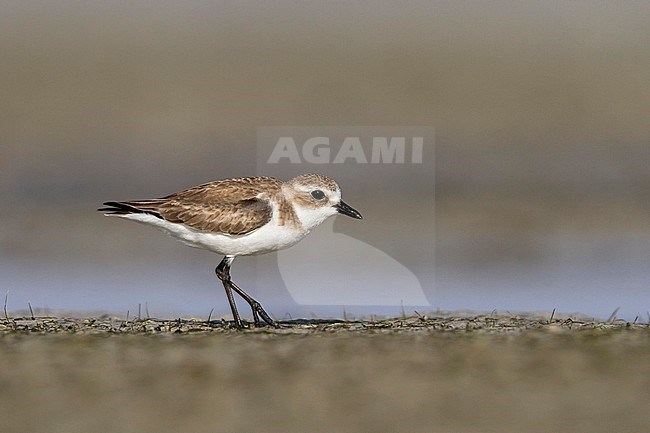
(419, 374)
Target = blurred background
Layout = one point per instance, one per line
(542, 142)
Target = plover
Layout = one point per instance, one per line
(240, 217)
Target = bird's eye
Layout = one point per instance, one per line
(318, 194)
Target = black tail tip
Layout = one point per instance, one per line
(120, 208)
(113, 207)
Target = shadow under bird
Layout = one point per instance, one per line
(240, 217)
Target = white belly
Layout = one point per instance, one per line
(267, 238)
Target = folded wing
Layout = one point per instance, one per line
(232, 206)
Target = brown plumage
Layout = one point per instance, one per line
(316, 179)
(230, 206)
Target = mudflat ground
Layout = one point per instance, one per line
(416, 374)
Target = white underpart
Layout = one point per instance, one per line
(270, 237)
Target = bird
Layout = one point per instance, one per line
(243, 216)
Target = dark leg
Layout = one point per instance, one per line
(255, 306)
(223, 272)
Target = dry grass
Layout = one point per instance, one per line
(414, 324)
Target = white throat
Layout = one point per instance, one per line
(313, 217)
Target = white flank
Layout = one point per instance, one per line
(270, 237)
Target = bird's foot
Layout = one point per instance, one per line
(258, 311)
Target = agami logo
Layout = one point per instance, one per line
(368, 266)
(321, 150)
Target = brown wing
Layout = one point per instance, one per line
(232, 206)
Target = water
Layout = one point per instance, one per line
(122, 267)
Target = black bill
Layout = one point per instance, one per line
(345, 209)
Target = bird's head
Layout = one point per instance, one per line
(315, 198)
